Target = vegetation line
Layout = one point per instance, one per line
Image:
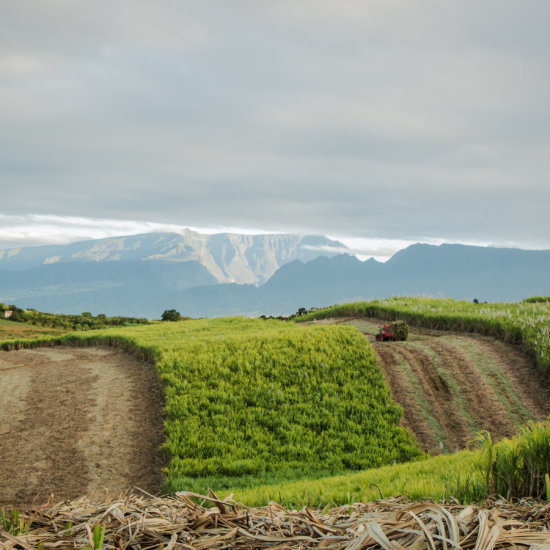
(451, 383)
(500, 384)
(524, 323)
(416, 387)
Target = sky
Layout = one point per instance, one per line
(379, 123)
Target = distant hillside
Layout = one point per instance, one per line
(457, 271)
(228, 257)
(146, 274)
(129, 275)
(114, 288)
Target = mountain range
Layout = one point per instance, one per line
(227, 257)
(230, 274)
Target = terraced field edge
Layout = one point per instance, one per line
(523, 323)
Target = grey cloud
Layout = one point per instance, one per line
(402, 120)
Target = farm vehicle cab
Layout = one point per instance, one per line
(398, 330)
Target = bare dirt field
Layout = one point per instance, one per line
(76, 421)
(452, 385)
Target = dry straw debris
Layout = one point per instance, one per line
(191, 521)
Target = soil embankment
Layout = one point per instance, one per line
(75, 421)
(452, 386)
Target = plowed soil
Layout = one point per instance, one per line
(76, 421)
(452, 386)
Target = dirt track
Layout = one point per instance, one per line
(77, 420)
(453, 385)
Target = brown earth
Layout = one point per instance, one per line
(76, 421)
(451, 386)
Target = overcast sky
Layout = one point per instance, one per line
(380, 122)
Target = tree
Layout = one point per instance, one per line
(170, 315)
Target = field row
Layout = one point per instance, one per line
(526, 323)
(514, 468)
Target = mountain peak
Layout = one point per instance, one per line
(229, 257)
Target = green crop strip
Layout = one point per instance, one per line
(514, 468)
(365, 327)
(271, 398)
(420, 399)
(525, 323)
(492, 375)
(437, 477)
(451, 383)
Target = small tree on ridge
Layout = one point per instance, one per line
(170, 315)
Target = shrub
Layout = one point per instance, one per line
(170, 315)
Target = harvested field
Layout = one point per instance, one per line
(139, 521)
(453, 385)
(75, 421)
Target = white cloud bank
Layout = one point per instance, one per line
(38, 229)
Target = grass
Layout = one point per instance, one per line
(513, 468)
(524, 323)
(366, 327)
(451, 383)
(436, 477)
(518, 467)
(494, 377)
(13, 523)
(10, 330)
(420, 399)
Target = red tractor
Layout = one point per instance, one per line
(398, 330)
(385, 334)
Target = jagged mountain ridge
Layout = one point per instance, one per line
(228, 257)
(128, 275)
(143, 286)
(457, 271)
